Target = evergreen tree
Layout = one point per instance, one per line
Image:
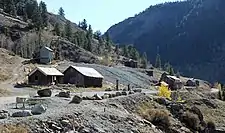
(57, 29)
(117, 49)
(89, 44)
(134, 53)
(167, 67)
(9, 7)
(44, 15)
(144, 60)
(158, 62)
(97, 34)
(37, 19)
(125, 51)
(68, 30)
(108, 42)
(61, 12)
(171, 71)
(31, 8)
(89, 39)
(83, 25)
(90, 32)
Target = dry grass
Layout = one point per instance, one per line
(13, 129)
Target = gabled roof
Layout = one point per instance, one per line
(49, 49)
(89, 72)
(47, 71)
(174, 77)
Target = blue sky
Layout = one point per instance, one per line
(101, 14)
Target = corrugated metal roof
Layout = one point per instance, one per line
(48, 48)
(89, 72)
(47, 71)
(174, 77)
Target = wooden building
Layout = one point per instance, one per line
(173, 82)
(45, 76)
(131, 63)
(46, 55)
(83, 77)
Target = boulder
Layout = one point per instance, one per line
(118, 94)
(76, 99)
(97, 97)
(162, 101)
(38, 109)
(124, 93)
(112, 95)
(4, 115)
(108, 89)
(65, 123)
(137, 90)
(105, 96)
(23, 113)
(64, 94)
(131, 92)
(44, 93)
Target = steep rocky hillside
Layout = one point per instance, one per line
(188, 34)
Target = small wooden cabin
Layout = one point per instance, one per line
(131, 63)
(45, 76)
(83, 77)
(46, 55)
(173, 82)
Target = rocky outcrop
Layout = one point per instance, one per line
(44, 93)
(76, 99)
(23, 113)
(38, 109)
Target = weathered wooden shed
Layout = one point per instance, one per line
(174, 82)
(83, 77)
(46, 55)
(131, 63)
(45, 76)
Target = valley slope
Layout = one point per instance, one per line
(188, 34)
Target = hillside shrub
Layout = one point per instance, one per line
(191, 120)
(158, 117)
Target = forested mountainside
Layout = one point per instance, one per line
(26, 25)
(190, 35)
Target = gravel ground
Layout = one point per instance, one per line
(106, 115)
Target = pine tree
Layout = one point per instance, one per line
(68, 30)
(89, 39)
(108, 42)
(97, 35)
(158, 62)
(125, 51)
(90, 32)
(61, 12)
(57, 29)
(144, 60)
(171, 71)
(134, 53)
(9, 7)
(83, 24)
(167, 67)
(44, 15)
